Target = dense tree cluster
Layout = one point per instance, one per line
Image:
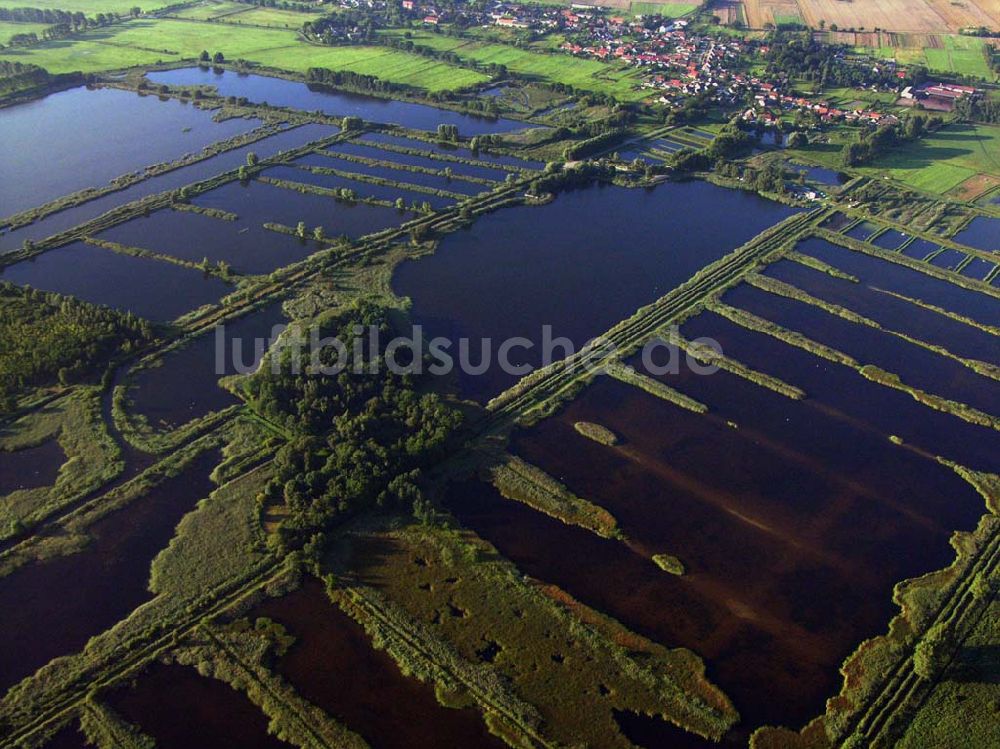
(874, 143)
(17, 76)
(984, 109)
(798, 55)
(351, 25)
(361, 437)
(350, 79)
(48, 337)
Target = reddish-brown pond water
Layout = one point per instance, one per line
(793, 529)
(333, 665)
(183, 710)
(52, 608)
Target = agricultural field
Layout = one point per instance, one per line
(667, 9)
(959, 54)
(914, 16)
(275, 17)
(941, 53)
(210, 10)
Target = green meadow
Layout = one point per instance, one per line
(90, 7)
(963, 55)
(588, 75)
(9, 29)
(667, 10)
(944, 159)
(146, 42)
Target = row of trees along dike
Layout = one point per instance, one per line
(359, 441)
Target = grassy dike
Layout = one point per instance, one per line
(523, 482)
(780, 288)
(707, 355)
(128, 180)
(218, 557)
(157, 201)
(629, 376)
(991, 329)
(444, 171)
(106, 729)
(971, 284)
(238, 655)
(385, 182)
(437, 156)
(69, 534)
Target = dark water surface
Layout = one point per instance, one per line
(983, 233)
(792, 542)
(153, 289)
(81, 138)
(52, 608)
(285, 93)
(400, 140)
(186, 386)
(915, 365)
(71, 217)
(399, 175)
(182, 710)
(368, 151)
(30, 467)
(361, 189)
(895, 314)
(579, 265)
(68, 738)
(333, 665)
(264, 203)
(906, 281)
(244, 244)
(843, 392)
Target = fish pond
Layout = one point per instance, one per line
(89, 591)
(578, 265)
(83, 138)
(157, 290)
(70, 217)
(285, 93)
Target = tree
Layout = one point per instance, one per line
(318, 234)
(218, 58)
(447, 132)
(300, 230)
(243, 174)
(351, 123)
(251, 158)
(204, 56)
(932, 652)
(982, 587)
(797, 140)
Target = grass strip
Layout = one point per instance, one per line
(519, 480)
(629, 376)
